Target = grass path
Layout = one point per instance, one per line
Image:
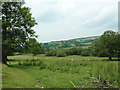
(27, 77)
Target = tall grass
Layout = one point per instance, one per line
(96, 70)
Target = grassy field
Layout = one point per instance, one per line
(59, 72)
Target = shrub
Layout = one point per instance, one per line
(74, 51)
(85, 53)
(68, 52)
(51, 53)
(61, 53)
(64, 52)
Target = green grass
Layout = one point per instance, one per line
(57, 72)
(42, 56)
(22, 76)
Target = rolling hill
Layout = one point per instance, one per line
(83, 42)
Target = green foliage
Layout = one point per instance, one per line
(85, 53)
(60, 53)
(17, 23)
(64, 52)
(66, 44)
(33, 46)
(79, 42)
(51, 53)
(117, 45)
(107, 44)
(74, 51)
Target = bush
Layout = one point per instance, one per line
(65, 52)
(51, 53)
(74, 51)
(61, 53)
(85, 53)
(68, 52)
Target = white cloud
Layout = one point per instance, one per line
(67, 6)
(86, 1)
(65, 19)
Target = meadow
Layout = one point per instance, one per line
(60, 72)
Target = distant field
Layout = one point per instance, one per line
(59, 72)
(42, 56)
(78, 42)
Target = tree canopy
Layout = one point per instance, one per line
(17, 23)
(108, 44)
(33, 46)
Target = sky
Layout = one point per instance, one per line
(68, 19)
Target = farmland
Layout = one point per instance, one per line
(83, 42)
(59, 72)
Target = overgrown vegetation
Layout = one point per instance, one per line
(83, 72)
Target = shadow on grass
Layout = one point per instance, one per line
(19, 66)
(111, 60)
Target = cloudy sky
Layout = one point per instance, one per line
(68, 19)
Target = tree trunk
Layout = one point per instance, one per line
(110, 58)
(4, 59)
(4, 56)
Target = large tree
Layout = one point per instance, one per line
(117, 45)
(17, 23)
(106, 45)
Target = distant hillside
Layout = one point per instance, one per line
(83, 42)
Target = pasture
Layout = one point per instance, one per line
(60, 72)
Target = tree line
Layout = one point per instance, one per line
(108, 45)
